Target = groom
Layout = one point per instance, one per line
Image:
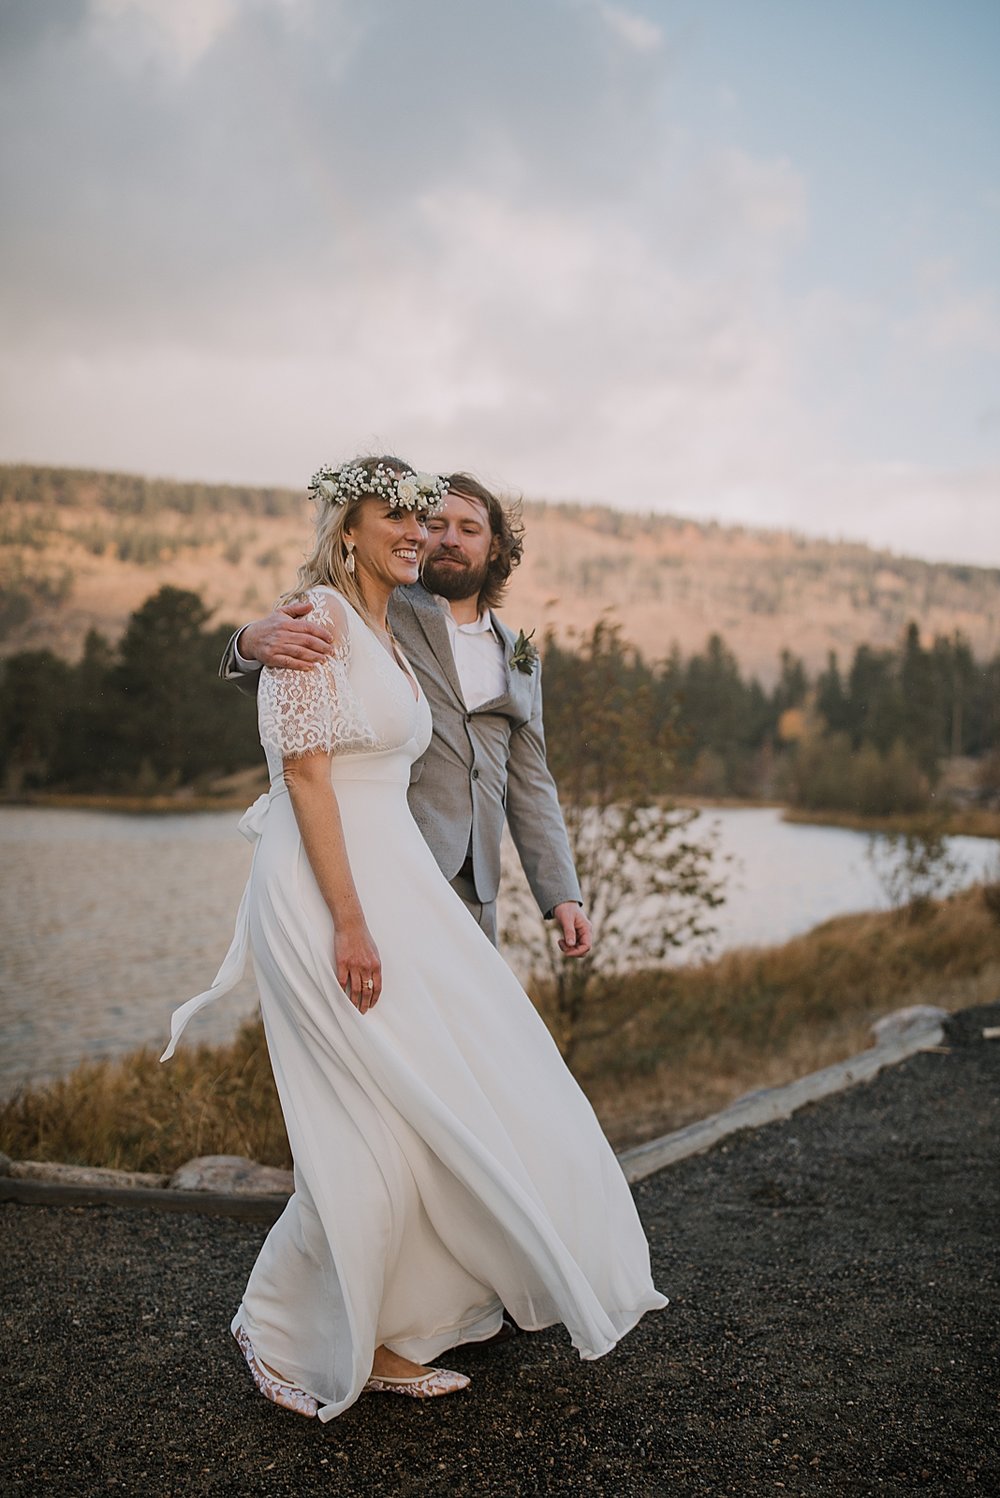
(486, 760)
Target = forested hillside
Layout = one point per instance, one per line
(81, 550)
(148, 716)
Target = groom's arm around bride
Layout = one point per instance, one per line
(486, 761)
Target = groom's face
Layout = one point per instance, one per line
(460, 547)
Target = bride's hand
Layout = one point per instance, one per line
(359, 968)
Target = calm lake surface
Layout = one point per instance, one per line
(107, 922)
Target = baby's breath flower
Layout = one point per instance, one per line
(406, 491)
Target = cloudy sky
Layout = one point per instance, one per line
(730, 258)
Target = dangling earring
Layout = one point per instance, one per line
(349, 559)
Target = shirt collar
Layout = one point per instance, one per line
(478, 626)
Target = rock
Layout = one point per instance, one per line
(83, 1175)
(5, 1163)
(232, 1174)
(915, 1018)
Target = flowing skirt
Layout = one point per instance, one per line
(446, 1163)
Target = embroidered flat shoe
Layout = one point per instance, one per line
(429, 1385)
(275, 1389)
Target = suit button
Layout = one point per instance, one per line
(475, 774)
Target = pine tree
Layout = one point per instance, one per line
(831, 699)
(920, 706)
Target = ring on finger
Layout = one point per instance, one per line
(369, 982)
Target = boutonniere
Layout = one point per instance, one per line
(524, 655)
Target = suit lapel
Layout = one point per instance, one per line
(435, 629)
(430, 618)
(509, 696)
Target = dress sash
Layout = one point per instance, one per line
(251, 825)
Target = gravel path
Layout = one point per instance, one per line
(833, 1330)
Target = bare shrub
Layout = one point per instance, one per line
(915, 867)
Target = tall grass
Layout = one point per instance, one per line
(664, 1048)
(135, 1114)
(671, 1047)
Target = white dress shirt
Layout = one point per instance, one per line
(479, 657)
(242, 664)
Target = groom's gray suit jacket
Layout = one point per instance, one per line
(482, 766)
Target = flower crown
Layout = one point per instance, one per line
(405, 491)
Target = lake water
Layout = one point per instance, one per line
(107, 922)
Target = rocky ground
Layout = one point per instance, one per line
(833, 1330)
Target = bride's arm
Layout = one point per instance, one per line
(314, 802)
(306, 717)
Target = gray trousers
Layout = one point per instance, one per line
(484, 914)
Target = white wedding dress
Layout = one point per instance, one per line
(446, 1163)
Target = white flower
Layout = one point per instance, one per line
(410, 491)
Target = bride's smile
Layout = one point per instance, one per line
(388, 545)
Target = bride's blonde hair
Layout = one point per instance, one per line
(326, 564)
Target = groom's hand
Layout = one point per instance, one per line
(286, 639)
(577, 936)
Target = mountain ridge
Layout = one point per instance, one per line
(83, 548)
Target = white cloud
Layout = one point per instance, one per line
(261, 235)
(179, 32)
(559, 347)
(636, 31)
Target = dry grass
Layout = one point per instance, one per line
(134, 1114)
(664, 1047)
(672, 1047)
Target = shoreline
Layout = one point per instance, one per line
(968, 822)
(162, 805)
(685, 1043)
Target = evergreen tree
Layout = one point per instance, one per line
(177, 723)
(920, 712)
(831, 699)
(88, 753)
(874, 709)
(981, 720)
(713, 694)
(792, 685)
(35, 703)
(955, 686)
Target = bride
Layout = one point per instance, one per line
(446, 1164)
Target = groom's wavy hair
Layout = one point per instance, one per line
(507, 527)
(326, 564)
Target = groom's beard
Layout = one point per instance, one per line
(451, 575)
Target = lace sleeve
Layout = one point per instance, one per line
(301, 711)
